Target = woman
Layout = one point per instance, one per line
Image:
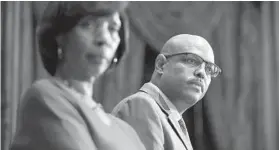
(78, 42)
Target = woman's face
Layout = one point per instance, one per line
(90, 46)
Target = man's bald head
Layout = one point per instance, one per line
(184, 79)
(186, 43)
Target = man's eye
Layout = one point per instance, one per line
(210, 69)
(191, 61)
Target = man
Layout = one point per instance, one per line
(182, 75)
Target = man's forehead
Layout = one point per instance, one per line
(186, 43)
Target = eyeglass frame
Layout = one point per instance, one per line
(219, 70)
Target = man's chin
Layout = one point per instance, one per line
(192, 98)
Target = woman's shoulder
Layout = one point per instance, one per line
(121, 124)
(43, 85)
(39, 88)
(43, 90)
(129, 131)
(45, 95)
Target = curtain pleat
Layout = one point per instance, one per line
(158, 21)
(221, 93)
(18, 60)
(270, 74)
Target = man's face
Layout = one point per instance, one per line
(185, 75)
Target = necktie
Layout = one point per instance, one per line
(184, 129)
(182, 126)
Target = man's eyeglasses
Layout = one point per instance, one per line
(194, 60)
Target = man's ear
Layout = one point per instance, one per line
(160, 63)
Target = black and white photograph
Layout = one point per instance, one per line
(139, 75)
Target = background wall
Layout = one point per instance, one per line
(240, 110)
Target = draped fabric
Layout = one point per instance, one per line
(156, 22)
(18, 61)
(231, 103)
(240, 110)
(269, 121)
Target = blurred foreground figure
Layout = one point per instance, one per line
(182, 75)
(78, 42)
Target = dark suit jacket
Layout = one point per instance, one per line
(148, 113)
(53, 118)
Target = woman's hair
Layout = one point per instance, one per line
(60, 17)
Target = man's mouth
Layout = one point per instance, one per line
(196, 84)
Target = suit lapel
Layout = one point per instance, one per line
(171, 116)
(174, 123)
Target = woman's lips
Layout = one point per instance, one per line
(96, 59)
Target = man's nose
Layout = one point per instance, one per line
(200, 71)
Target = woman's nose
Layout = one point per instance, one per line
(102, 33)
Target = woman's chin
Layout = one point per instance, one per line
(97, 70)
